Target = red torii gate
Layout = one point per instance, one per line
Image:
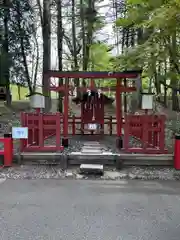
(134, 74)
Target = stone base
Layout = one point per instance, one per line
(119, 143)
(65, 142)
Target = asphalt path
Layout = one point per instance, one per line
(89, 210)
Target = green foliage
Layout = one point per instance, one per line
(122, 22)
(100, 57)
(159, 22)
(20, 30)
(100, 61)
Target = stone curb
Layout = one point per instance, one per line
(123, 159)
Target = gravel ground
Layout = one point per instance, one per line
(55, 172)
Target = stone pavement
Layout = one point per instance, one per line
(89, 210)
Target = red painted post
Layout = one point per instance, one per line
(177, 153)
(66, 105)
(36, 136)
(156, 133)
(119, 141)
(73, 125)
(30, 130)
(38, 110)
(33, 135)
(8, 150)
(23, 142)
(145, 132)
(162, 120)
(82, 118)
(58, 130)
(126, 132)
(35, 131)
(110, 125)
(41, 130)
(92, 84)
(151, 132)
(118, 108)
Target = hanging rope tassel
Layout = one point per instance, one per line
(88, 101)
(99, 96)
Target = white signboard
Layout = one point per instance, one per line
(92, 126)
(20, 132)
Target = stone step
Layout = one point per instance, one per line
(78, 158)
(91, 151)
(91, 168)
(91, 143)
(93, 147)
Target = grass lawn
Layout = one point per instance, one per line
(24, 91)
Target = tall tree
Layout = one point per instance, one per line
(157, 26)
(45, 18)
(15, 43)
(60, 49)
(5, 47)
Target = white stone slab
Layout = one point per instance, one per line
(91, 143)
(92, 147)
(92, 166)
(75, 153)
(108, 153)
(91, 150)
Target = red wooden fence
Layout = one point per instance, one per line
(149, 130)
(43, 126)
(40, 127)
(77, 127)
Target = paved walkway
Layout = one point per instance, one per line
(90, 210)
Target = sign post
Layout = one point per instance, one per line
(19, 133)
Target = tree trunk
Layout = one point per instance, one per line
(123, 39)
(19, 91)
(6, 51)
(74, 42)
(174, 80)
(90, 25)
(22, 48)
(127, 38)
(87, 36)
(140, 36)
(46, 33)
(60, 49)
(132, 37)
(35, 69)
(83, 32)
(165, 88)
(82, 14)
